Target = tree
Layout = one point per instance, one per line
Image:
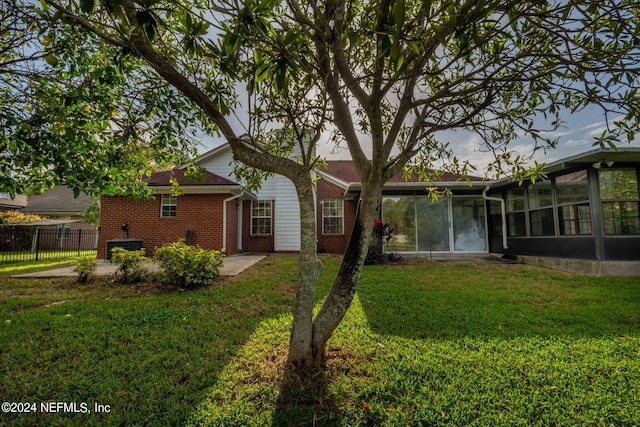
(78, 111)
(386, 77)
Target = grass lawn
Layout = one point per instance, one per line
(424, 344)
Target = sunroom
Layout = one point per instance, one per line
(588, 209)
(456, 224)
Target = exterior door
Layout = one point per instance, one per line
(448, 225)
(432, 219)
(469, 226)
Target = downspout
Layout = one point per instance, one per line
(224, 217)
(504, 214)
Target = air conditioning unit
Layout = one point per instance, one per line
(128, 244)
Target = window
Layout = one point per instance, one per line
(64, 231)
(168, 206)
(261, 217)
(516, 226)
(540, 199)
(332, 216)
(574, 211)
(620, 201)
(495, 218)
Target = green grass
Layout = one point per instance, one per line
(424, 344)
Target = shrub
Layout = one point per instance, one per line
(189, 266)
(85, 268)
(130, 269)
(17, 217)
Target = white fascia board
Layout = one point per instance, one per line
(333, 180)
(413, 186)
(200, 189)
(216, 151)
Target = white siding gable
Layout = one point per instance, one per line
(278, 188)
(286, 216)
(221, 165)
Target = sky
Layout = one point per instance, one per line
(575, 137)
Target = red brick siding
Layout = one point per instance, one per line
(255, 243)
(334, 243)
(201, 213)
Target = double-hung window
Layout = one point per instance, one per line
(516, 222)
(574, 211)
(261, 217)
(64, 231)
(332, 216)
(620, 201)
(541, 209)
(168, 206)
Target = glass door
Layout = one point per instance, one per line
(469, 227)
(432, 220)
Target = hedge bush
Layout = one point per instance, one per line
(130, 269)
(189, 266)
(86, 268)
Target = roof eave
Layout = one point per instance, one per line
(355, 187)
(200, 189)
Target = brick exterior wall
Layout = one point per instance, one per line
(200, 213)
(334, 243)
(265, 244)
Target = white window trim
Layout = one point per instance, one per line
(163, 203)
(341, 216)
(253, 203)
(63, 231)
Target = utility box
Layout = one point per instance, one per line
(128, 244)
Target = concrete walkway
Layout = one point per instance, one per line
(232, 266)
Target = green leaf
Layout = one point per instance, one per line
(230, 41)
(385, 46)
(397, 55)
(51, 59)
(262, 71)
(87, 6)
(414, 46)
(426, 7)
(399, 10)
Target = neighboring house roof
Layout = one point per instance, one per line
(6, 202)
(163, 179)
(40, 223)
(57, 201)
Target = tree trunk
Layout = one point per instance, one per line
(301, 354)
(344, 286)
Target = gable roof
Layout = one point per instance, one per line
(215, 151)
(57, 201)
(345, 171)
(162, 179)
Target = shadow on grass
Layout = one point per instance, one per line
(454, 301)
(304, 400)
(150, 354)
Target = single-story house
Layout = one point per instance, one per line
(63, 225)
(59, 204)
(587, 210)
(7, 203)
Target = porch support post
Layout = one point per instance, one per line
(224, 218)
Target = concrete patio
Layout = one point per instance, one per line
(232, 266)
